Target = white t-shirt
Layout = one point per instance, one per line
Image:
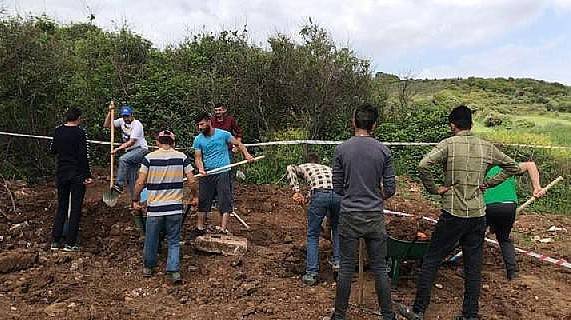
(133, 130)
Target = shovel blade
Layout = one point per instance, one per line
(110, 198)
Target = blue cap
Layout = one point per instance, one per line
(126, 110)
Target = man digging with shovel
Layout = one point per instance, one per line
(324, 203)
(134, 145)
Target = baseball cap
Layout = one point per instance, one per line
(126, 110)
(167, 133)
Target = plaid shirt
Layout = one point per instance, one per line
(465, 159)
(317, 175)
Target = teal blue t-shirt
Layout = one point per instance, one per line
(214, 149)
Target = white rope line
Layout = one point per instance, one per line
(296, 142)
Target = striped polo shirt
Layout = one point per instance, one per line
(165, 171)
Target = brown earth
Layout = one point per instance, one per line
(104, 280)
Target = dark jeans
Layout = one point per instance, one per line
(322, 204)
(371, 227)
(67, 186)
(449, 231)
(501, 217)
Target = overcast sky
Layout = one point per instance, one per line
(429, 39)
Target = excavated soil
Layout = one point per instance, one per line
(104, 280)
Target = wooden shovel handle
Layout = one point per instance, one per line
(532, 199)
(112, 114)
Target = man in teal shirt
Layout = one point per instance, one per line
(501, 203)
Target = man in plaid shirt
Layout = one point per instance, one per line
(465, 159)
(323, 202)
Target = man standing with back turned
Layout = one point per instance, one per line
(465, 159)
(360, 165)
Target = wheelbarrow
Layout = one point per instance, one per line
(400, 250)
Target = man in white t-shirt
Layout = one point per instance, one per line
(134, 144)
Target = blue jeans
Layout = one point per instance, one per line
(323, 203)
(172, 225)
(128, 169)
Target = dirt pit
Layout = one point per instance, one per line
(104, 280)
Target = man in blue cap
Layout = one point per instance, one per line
(135, 147)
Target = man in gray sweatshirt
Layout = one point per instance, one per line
(363, 175)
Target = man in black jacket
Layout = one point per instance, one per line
(72, 175)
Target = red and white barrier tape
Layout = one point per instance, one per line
(559, 262)
(313, 142)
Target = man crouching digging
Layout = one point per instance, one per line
(163, 171)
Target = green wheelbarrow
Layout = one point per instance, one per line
(400, 250)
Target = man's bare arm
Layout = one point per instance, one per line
(198, 161)
(108, 120)
(140, 184)
(242, 148)
(533, 172)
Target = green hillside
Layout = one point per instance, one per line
(507, 110)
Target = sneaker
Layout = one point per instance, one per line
(147, 272)
(68, 248)
(194, 233)
(174, 277)
(56, 245)
(409, 314)
(219, 230)
(334, 265)
(310, 279)
(117, 188)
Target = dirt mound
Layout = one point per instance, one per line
(104, 280)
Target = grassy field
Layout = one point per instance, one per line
(546, 130)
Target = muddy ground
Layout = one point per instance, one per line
(104, 280)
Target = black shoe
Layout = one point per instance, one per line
(194, 233)
(409, 314)
(512, 275)
(68, 248)
(56, 245)
(460, 317)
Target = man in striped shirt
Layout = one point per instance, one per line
(162, 172)
(324, 203)
(465, 159)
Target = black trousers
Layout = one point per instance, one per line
(501, 217)
(449, 231)
(67, 186)
(371, 227)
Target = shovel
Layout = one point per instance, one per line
(110, 197)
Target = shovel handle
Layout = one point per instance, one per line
(217, 170)
(112, 115)
(532, 199)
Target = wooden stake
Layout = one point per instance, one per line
(361, 297)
